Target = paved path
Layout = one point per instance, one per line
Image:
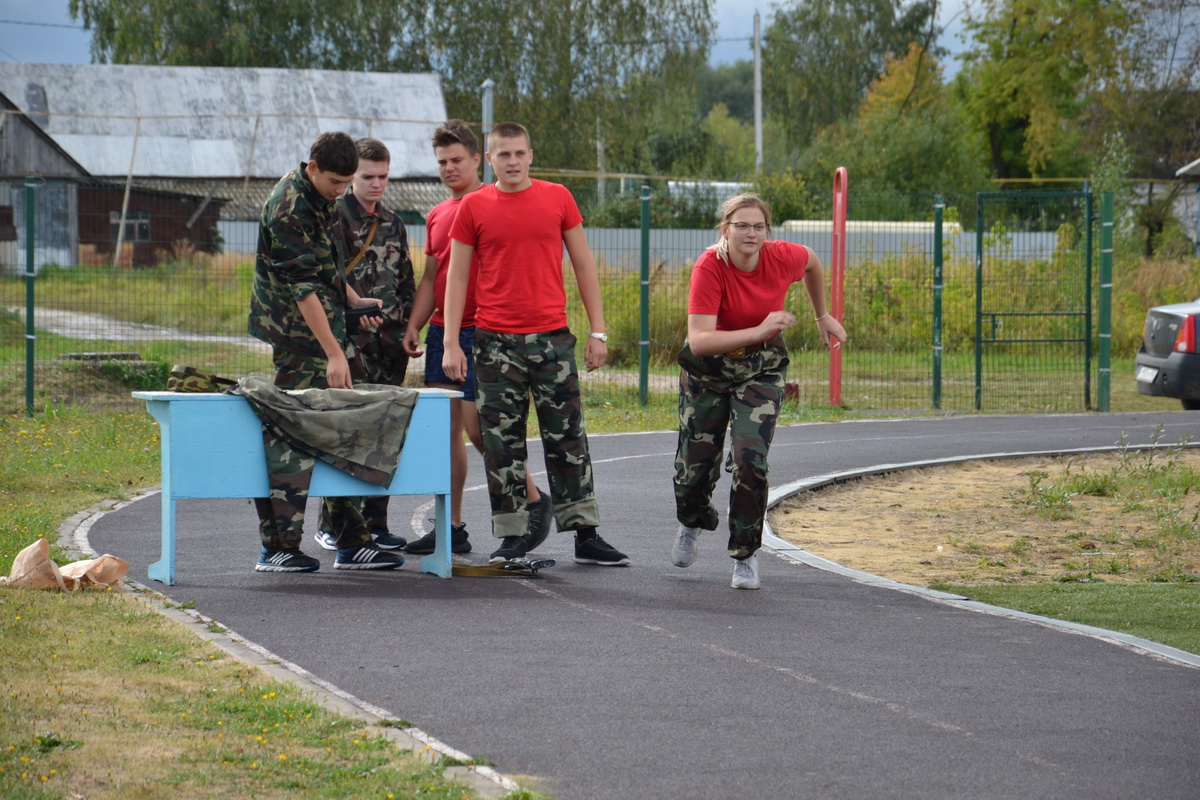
(656, 682)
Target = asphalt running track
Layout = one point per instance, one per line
(657, 682)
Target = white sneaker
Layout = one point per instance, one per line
(683, 553)
(326, 540)
(745, 573)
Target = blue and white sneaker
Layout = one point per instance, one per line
(285, 561)
(386, 541)
(366, 556)
(326, 539)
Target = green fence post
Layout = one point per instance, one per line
(1104, 374)
(979, 304)
(1089, 215)
(644, 337)
(30, 338)
(938, 209)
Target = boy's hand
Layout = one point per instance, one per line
(412, 343)
(454, 362)
(374, 320)
(595, 353)
(337, 374)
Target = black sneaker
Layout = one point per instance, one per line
(285, 561)
(386, 541)
(428, 543)
(511, 548)
(541, 516)
(594, 550)
(366, 556)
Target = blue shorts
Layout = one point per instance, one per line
(435, 349)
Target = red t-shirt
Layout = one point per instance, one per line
(742, 299)
(437, 244)
(518, 241)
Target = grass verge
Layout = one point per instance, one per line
(104, 698)
(1166, 613)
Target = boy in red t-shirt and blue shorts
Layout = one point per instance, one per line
(457, 152)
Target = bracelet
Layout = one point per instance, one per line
(823, 316)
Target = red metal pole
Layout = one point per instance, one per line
(837, 280)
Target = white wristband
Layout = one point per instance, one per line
(823, 316)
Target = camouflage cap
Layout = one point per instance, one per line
(193, 379)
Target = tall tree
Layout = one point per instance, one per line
(291, 34)
(572, 70)
(1032, 67)
(1157, 110)
(907, 137)
(821, 55)
(731, 84)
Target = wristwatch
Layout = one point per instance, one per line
(601, 336)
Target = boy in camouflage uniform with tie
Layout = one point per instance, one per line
(297, 305)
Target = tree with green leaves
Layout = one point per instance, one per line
(573, 71)
(1030, 72)
(820, 56)
(907, 137)
(289, 34)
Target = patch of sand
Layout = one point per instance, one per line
(979, 522)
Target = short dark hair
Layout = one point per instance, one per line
(508, 130)
(372, 150)
(334, 151)
(455, 131)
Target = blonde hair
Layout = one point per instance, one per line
(727, 209)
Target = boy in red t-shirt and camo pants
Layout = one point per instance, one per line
(515, 230)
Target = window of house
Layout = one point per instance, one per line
(137, 226)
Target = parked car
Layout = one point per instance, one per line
(1168, 364)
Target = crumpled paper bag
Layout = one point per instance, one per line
(33, 569)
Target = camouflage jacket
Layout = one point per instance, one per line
(385, 271)
(300, 251)
(359, 431)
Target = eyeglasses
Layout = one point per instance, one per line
(746, 227)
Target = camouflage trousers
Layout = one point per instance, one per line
(289, 474)
(509, 369)
(373, 365)
(742, 395)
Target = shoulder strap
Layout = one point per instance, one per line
(370, 235)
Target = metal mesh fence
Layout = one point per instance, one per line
(125, 288)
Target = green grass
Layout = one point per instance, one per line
(103, 698)
(1166, 613)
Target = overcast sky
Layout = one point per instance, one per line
(41, 31)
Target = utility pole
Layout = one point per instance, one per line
(758, 147)
(489, 87)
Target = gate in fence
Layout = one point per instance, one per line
(1034, 322)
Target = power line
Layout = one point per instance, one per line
(42, 24)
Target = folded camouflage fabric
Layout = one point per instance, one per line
(194, 379)
(359, 431)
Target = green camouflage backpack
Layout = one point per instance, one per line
(193, 379)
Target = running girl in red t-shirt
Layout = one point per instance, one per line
(733, 366)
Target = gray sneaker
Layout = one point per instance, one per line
(745, 573)
(683, 553)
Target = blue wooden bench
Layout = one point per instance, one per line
(212, 447)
